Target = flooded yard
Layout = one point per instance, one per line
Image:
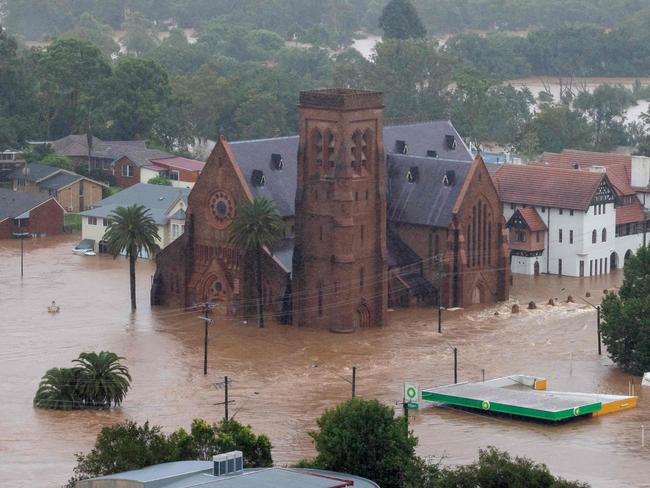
(284, 376)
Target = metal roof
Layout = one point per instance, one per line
(14, 204)
(159, 199)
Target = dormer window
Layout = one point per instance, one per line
(276, 161)
(401, 147)
(258, 178)
(413, 174)
(449, 178)
(432, 154)
(450, 140)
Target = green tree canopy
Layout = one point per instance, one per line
(626, 316)
(400, 20)
(58, 161)
(364, 438)
(160, 180)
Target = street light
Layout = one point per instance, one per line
(207, 320)
(597, 307)
(438, 260)
(22, 236)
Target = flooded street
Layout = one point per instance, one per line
(284, 376)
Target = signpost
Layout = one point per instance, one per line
(411, 395)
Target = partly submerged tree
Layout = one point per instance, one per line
(132, 231)
(103, 381)
(257, 226)
(626, 316)
(400, 20)
(58, 390)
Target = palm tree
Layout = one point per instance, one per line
(58, 389)
(257, 225)
(131, 230)
(102, 379)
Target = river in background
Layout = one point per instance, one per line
(285, 376)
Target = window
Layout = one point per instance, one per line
(559, 267)
(604, 235)
(92, 220)
(177, 230)
(173, 175)
(127, 170)
(543, 209)
(595, 209)
(594, 236)
(320, 233)
(571, 213)
(591, 267)
(105, 222)
(570, 237)
(560, 236)
(520, 236)
(561, 211)
(362, 234)
(513, 206)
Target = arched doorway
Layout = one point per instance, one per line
(476, 295)
(362, 316)
(536, 268)
(613, 261)
(628, 255)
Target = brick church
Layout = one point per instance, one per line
(374, 217)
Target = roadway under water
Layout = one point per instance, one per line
(285, 377)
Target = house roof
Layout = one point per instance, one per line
(159, 199)
(14, 204)
(546, 186)
(33, 172)
(143, 156)
(532, 219)
(178, 162)
(617, 166)
(427, 200)
(48, 177)
(628, 214)
(280, 184)
(76, 145)
(59, 180)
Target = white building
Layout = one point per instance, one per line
(166, 204)
(573, 222)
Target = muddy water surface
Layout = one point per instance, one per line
(284, 377)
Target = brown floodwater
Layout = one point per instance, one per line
(285, 376)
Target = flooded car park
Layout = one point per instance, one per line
(285, 376)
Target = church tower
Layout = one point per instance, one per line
(339, 262)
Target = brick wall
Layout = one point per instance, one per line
(46, 219)
(126, 181)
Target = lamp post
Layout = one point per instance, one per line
(439, 266)
(207, 320)
(597, 307)
(22, 236)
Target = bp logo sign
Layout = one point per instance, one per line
(411, 395)
(485, 405)
(576, 411)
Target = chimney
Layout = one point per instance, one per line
(640, 172)
(228, 463)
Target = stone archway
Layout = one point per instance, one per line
(477, 295)
(628, 255)
(362, 316)
(536, 268)
(613, 261)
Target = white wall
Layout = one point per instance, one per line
(96, 232)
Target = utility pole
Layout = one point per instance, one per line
(439, 295)
(226, 399)
(21, 236)
(600, 352)
(455, 366)
(207, 320)
(354, 381)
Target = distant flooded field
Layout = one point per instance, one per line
(285, 376)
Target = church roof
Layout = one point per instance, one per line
(428, 197)
(280, 184)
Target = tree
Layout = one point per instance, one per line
(132, 230)
(400, 20)
(261, 115)
(58, 390)
(257, 227)
(558, 126)
(103, 380)
(58, 161)
(626, 316)
(87, 28)
(160, 180)
(140, 37)
(364, 438)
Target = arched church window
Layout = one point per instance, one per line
(356, 149)
(331, 147)
(317, 143)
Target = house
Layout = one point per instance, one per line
(74, 192)
(167, 206)
(10, 161)
(182, 172)
(32, 213)
(368, 210)
(561, 221)
(220, 474)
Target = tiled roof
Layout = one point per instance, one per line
(546, 186)
(143, 157)
(178, 162)
(618, 166)
(14, 203)
(59, 181)
(33, 172)
(532, 219)
(76, 145)
(630, 213)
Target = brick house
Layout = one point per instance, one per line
(34, 213)
(359, 200)
(127, 168)
(75, 193)
(182, 172)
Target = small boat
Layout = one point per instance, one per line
(54, 308)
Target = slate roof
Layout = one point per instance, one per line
(178, 162)
(157, 198)
(284, 253)
(14, 203)
(33, 172)
(630, 213)
(546, 186)
(426, 201)
(280, 186)
(59, 181)
(144, 156)
(76, 145)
